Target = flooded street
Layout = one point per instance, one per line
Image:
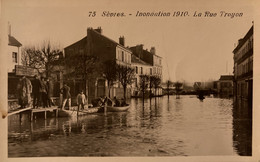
(160, 127)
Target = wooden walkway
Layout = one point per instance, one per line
(38, 110)
(45, 110)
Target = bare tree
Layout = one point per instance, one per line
(125, 76)
(82, 67)
(110, 73)
(45, 57)
(156, 82)
(169, 83)
(144, 81)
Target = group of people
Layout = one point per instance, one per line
(41, 92)
(24, 90)
(40, 89)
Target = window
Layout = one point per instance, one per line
(14, 56)
(151, 71)
(136, 70)
(123, 58)
(141, 70)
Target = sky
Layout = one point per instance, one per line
(192, 48)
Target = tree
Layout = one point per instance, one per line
(82, 67)
(156, 82)
(45, 57)
(144, 80)
(110, 73)
(169, 83)
(125, 75)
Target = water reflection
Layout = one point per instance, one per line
(242, 127)
(157, 127)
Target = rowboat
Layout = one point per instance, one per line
(72, 113)
(117, 108)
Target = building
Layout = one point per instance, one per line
(225, 85)
(141, 68)
(147, 62)
(243, 68)
(104, 48)
(14, 53)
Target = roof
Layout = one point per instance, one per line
(226, 77)
(77, 42)
(243, 40)
(13, 42)
(111, 40)
(137, 60)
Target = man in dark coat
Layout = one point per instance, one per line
(36, 91)
(49, 92)
(66, 96)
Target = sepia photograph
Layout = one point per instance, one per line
(134, 79)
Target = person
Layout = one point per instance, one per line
(36, 91)
(116, 101)
(66, 96)
(20, 93)
(26, 90)
(81, 100)
(43, 91)
(48, 87)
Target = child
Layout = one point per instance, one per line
(81, 100)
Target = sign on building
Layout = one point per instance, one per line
(25, 70)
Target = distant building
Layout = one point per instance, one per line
(141, 68)
(225, 85)
(243, 67)
(150, 62)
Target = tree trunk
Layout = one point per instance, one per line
(86, 87)
(124, 92)
(108, 84)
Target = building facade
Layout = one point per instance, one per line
(105, 49)
(225, 86)
(146, 63)
(14, 53)
(243, 67)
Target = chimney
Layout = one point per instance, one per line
(152, 50)
(9, 28)
(240, 41)
(122, 40)
(99, 30)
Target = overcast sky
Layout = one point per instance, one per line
(192, 48)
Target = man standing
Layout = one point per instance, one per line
(81, 100)
(49, 92)
(26, 91)
(43, 91)
(36, 91)
(66, 96)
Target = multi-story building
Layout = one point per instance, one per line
(96, 44)
(225, 85)
(141, 68)
(150, 62)
(14, 53)
(243, 67)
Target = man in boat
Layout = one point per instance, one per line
(81, 100)
(66, 96)
(116, 102)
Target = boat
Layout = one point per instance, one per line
(118, 108)
(72, 113)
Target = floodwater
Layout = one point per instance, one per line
(159, 127)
